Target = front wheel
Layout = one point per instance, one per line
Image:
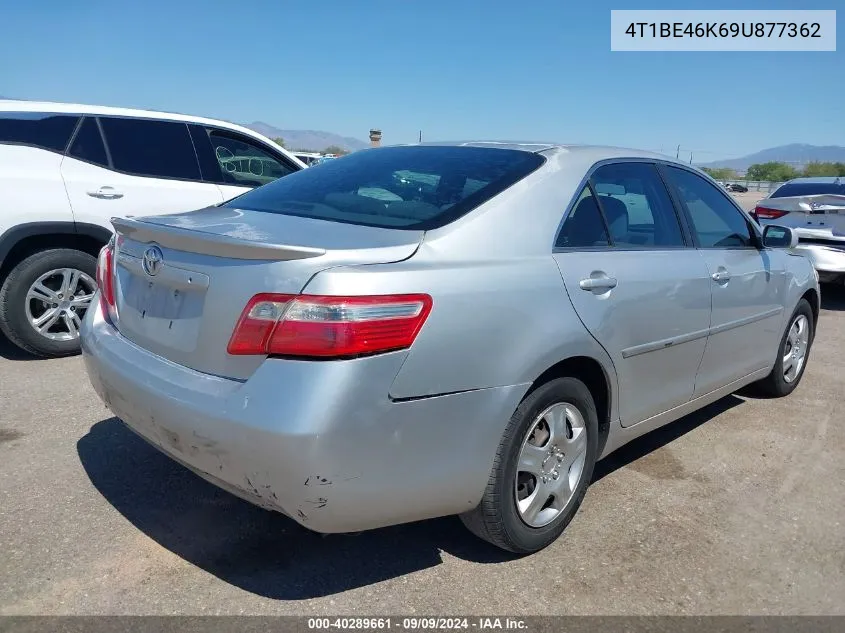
(793, 354)
(541, 470)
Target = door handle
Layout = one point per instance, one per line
(106, 193)
(721, 276)
(598, 283)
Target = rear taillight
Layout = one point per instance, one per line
(328, 326)
(105, 280)
(764, 213)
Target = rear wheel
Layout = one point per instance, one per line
(44, 299)
(793, 353)
(542, 469)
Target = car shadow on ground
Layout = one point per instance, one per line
(270, 555)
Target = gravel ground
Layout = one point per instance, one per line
(737, 509)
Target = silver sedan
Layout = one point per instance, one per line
(417, 331)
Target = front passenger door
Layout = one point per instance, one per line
(637, 285)
(747, 284)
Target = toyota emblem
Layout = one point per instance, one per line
(153, 260)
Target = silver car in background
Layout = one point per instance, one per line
(418, 331)
(815, 210)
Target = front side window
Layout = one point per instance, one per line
(418, 187)
(88, 143)
(158, 149)
(636, 205)
(716, 222)
(584, 226)
(243, 162)
(46, 130)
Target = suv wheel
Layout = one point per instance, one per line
(541, 470)
(44, 299)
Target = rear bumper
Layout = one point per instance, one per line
(824, 258)
(318, 441)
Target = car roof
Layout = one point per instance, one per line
(11, 105)
(586, 151)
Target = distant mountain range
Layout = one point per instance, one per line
(308, 139)
(796, 154)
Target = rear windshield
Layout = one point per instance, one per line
(808, 189)
(419, 187)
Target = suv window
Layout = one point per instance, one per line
(88, 143)
(636, 206)
(243, 162)
(584, 226)
(159, 149)
(715, 220)
(46, 130)
(414, 187)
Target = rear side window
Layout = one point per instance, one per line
(45, 130)
(88, 143)
(160, 149)
(717, 223)
(584, 226)
(636, 205)
(809, 189)
(419, 187)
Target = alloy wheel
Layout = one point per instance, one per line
(57, 301)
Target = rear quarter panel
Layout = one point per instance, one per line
(493, 323)
(31, 187)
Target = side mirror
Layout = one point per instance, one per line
(779, 237)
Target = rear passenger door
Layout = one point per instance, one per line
(124, 166)
(637, 285)
(748, 284)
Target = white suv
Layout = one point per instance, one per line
(66, 170)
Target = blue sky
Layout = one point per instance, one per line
(533, 70)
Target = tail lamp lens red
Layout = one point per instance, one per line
(105, 279)
(328, 326)
(764, 213)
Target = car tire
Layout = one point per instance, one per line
(16, 307)
(781, 381)
(498, 519)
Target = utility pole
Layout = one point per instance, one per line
(420, 136)
(677, 152)
(690, 158)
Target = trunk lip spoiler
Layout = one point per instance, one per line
(201, 242)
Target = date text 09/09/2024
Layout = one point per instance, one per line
(420, 623)
(724, 29)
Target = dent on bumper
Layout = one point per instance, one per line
(824, 258)
(320, 442)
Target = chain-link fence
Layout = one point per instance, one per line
(763, 186)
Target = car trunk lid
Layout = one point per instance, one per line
(814, 217)
(182, 280)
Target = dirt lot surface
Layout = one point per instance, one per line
(735, 509)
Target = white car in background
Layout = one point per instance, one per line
(67, 169)
(815, 209)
